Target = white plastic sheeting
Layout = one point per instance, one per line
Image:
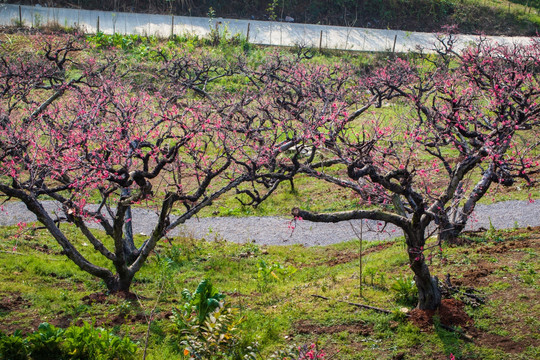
(260, 32)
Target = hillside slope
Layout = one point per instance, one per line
(491, 17)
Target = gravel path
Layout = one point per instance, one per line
(273, 230)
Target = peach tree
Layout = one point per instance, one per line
(468, 120)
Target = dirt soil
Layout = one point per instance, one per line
(13, 302)
(482, 273)
(451, 313)
(118, 319)
(476, 276)
(496, 341)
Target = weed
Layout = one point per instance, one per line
(38, 20)
(203, 301)
(49, 342)
(370, 272)
(45, 343)
(13, 347)
(249, 249)
(269, 273)
(17, 23)
(89, 342)
(493, 234)
(123, 308)
(406, 291)
(216, 338)
(373, 274)
(529, 278)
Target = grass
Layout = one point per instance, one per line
(281, 312)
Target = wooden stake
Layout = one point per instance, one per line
(320, 42)
(247, 33)
(359, 236)
(97, 25)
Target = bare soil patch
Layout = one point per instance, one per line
(490, 340)
(43, 248)
(505, 253)
(117, 319)
(477, 275)
(505, 247)
(12, 302)
(98, 298)
(451, 313)
(62, 321)
(22, 321)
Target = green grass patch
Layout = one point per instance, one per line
(38, 284)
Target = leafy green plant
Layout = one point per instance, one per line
(269, 273)
(140, 47)
(203, 301)
(271, 9)
(214, 37)
(124, 308)
(216, 338)
(207, 326)
(14, 347)
(89, 342)
(49, 342)
(170, 257)
(17, 22)
(406, 291)
(493, 234)
(46, 342)
(249, 249)
(38, 20)
(530, 276)
(370, 272)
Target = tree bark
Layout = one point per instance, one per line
(454, 219)
(449, 231)
(119, 283)
(429, 295)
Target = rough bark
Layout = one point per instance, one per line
(449, 231)
(395, 219)
(119, 283)
(429, 295)
(453, 220)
